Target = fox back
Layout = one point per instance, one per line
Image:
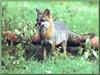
(61, 32)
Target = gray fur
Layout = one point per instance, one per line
(61, 32)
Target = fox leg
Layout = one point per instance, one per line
(44, 53)
(52, 47)
(64, 47)
(47, 49)
(44, 49)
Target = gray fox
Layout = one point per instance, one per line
(51, 32)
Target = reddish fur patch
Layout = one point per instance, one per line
(50, 30)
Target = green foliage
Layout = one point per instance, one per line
(9, 58)
(20, 53)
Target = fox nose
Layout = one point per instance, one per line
(42, 24)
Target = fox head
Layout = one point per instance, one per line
(43, 18)
(44, 22)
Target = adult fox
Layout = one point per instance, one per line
(51, 32)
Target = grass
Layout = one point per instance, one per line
(75, 65)
(81, 17)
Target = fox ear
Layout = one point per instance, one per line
(38, 11)
(47, 12)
